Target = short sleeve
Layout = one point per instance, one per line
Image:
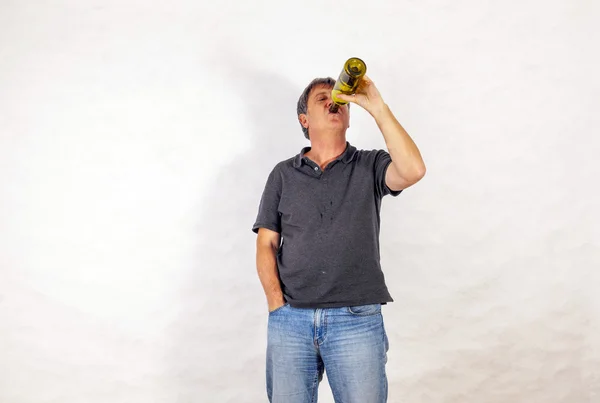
(268, 209)
(382, 162)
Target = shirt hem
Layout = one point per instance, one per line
(382, 301)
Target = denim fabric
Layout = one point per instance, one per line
(349, 343)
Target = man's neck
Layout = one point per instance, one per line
(325, 150)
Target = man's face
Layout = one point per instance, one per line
(318, 117)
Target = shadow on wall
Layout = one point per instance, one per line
(216, 346)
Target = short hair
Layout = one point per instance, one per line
(303, 100)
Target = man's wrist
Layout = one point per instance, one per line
(379, 111)
(275, 300)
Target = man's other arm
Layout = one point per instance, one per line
(267, 245)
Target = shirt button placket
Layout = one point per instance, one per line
(325, 199)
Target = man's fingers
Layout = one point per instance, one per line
(347, 98)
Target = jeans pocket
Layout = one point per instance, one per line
(364, 310)
(278, 309)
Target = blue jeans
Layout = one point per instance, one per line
(349, 343)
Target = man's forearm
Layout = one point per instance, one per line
(406, 157)
(266, 264)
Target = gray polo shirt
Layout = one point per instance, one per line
(329, 224)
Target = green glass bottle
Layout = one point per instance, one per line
(347, 82)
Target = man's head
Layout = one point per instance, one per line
(313, 108)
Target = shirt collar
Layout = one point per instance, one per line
(346, 157)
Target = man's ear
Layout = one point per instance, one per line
(303, 120)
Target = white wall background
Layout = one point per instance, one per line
(135, 139)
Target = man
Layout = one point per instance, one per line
(317, 251)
